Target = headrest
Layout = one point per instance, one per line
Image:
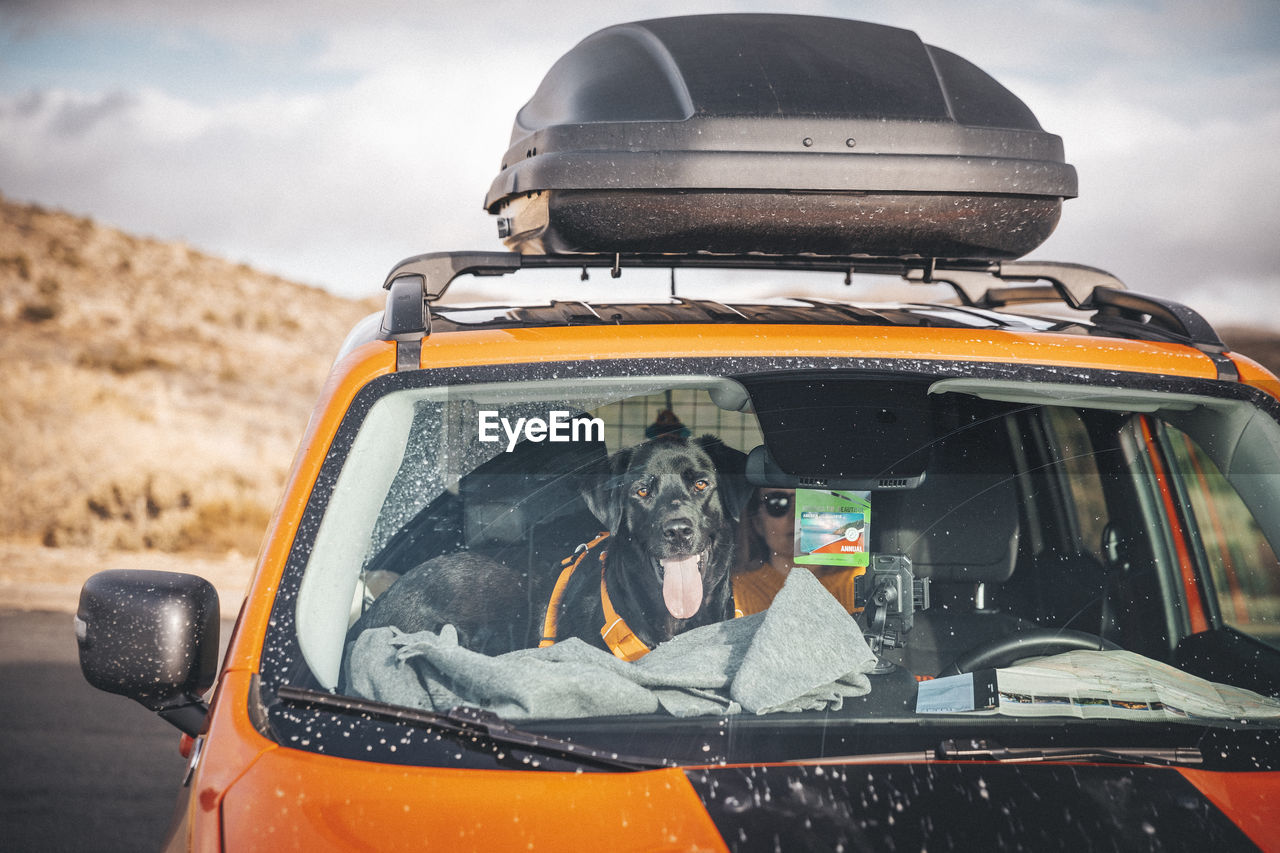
(961, 524)
(537, 481)
(487, 522)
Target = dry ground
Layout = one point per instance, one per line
(34, 577)
(151, 396)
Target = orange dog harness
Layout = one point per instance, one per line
(617, 634)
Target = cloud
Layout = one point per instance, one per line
(329, 189)
(1171, 200)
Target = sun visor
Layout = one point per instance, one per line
(840, 431)
(779, 134)
(763, 472)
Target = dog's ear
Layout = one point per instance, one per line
(731, 472)
(603, 486)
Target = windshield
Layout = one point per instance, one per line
(759, 562)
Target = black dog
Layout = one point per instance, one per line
(482, 598)
(669, 506)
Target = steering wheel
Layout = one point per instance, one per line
(1036, 642)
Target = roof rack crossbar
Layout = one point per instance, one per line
(1073, 282)
(418, 281)
(439, 269)
(1001, 297)
(1087, 288)
(1068, 283)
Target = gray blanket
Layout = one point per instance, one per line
(803, 653)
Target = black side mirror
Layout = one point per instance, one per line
(151, 636)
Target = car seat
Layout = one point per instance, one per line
(525, 509)
(960, 529)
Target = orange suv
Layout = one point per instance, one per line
(797, 572)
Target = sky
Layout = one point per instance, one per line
(325, 141)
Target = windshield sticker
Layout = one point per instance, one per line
(956, 694)
(833, 528)
(558, 426)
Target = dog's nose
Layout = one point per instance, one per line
(678, 530)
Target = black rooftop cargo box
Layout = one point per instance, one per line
(777, 134)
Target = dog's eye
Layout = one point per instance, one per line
(702, 485)
(642, 491)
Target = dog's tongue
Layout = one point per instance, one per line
(682, 586)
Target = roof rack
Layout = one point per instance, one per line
(1082, 288)
(416, 282)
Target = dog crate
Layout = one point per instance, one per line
(776, 134)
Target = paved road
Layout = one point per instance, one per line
(79, 769)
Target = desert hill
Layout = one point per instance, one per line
(151, 396)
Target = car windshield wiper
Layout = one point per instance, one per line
(986, 750)
(478, 729)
